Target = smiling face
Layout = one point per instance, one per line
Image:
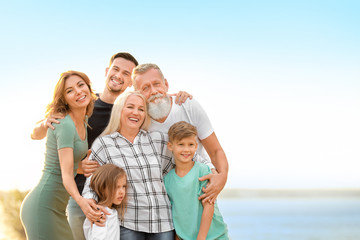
(119, 191)
(150, 84)
(118, 75)
(76, 93)
(184, 149)
(154, 87)
(132, 114)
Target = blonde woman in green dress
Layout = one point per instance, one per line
(43, 210)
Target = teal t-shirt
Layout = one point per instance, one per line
(186, 209)
(64, 135)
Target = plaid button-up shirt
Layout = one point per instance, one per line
(145, 161)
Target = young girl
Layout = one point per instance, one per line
(109, 184)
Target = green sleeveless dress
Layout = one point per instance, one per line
(43, 210)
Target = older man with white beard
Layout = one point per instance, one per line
(149, 80)
(159, 106)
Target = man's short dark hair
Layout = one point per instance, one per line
(123, 55)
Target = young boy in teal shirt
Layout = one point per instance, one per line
(192, 218)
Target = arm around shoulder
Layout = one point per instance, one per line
(41, 127)
(39, 131)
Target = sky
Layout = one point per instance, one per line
(278, 79)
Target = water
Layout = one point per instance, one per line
(292, 218)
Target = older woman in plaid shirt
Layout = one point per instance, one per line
(145, 158)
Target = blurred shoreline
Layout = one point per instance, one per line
(271, 193)
(273, 208)
(237, 193)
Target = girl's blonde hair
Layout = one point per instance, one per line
(58, 104)
(114, 122)
(103, 183)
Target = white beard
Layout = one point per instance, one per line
(160, 108)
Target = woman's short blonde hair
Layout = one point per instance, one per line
(114, 122)
(103, 183)
(58, 104)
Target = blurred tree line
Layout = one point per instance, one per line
(10, 202)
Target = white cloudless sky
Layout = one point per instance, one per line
(278, 79)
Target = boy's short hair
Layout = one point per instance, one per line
(181, 130)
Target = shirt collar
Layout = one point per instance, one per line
(117, 134)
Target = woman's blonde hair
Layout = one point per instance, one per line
(103, 183)
(58, 104)
(114, 122)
